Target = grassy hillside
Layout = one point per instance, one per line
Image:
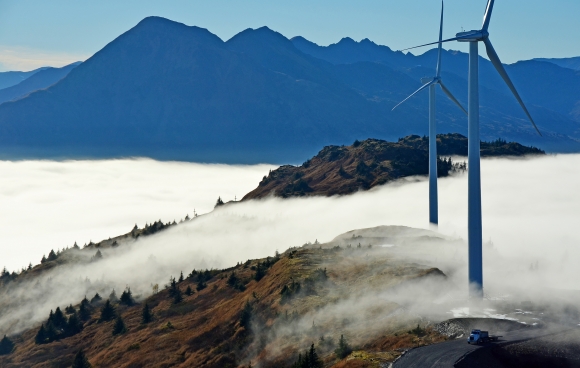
(262, 312)
(363, 165)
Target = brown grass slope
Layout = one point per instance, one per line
(206, 329)
(363, 165)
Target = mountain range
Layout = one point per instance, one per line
(170, 91)
(12, 78)
(42, 79)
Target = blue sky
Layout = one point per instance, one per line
(56, 32)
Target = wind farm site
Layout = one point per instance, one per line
(176, 200)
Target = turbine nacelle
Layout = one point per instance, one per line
(471, 36)
(425, 80)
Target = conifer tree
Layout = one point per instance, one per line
(70, 309)
(43, 260)
(52, 256)
(41, 335)
(315, 361)
(233, 279)
(85, 309)
(127, 297)
(119, 327)
(201, 285)
(246, 315)
(96, 299)
(181, 277)
(343, 349)
(172, 286)
(107, 312)
(97, 256)
(73, 326)
(146, 315)
(51, 332)
(58, 319)
(260, 272)
(81, 361)
(188, 291)
(6, 346)
(177, 297)
(113, 297)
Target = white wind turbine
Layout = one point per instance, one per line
(475, 268)
(431, 82)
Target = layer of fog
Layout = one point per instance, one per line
(529, 210)
(48, 205)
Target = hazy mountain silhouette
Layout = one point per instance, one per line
(43, 79)
(170, 91)
(554, 98)
(12, 78)
(570, 63)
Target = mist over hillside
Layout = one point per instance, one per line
(168, 91)
(516, 228)
(53, 204)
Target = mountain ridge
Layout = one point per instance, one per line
(40, 80)
(340, 170)
(175, 92)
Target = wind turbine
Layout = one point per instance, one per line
(474, 237)
(431, 82)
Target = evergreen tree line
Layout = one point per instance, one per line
(235, 282)
(262, 267)
(202, 277)
(290, 291)
(59, 326)
(174, 291)
(309, 359)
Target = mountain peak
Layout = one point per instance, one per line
(346, 40)
(163, 26)
(264, 34)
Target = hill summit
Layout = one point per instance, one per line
(371, 162)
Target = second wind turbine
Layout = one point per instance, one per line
(430, 83)
(474, 225)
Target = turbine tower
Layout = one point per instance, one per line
(431, 82)
(475, 268)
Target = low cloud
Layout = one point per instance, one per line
(529, 212)
(50, 205)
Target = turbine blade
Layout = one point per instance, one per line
(440, 44)
(431, 43)
(487, 15)
(414, 93)
(451, 97)
(501, 70)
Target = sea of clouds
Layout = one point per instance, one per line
(48, 205)
(530, 215)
